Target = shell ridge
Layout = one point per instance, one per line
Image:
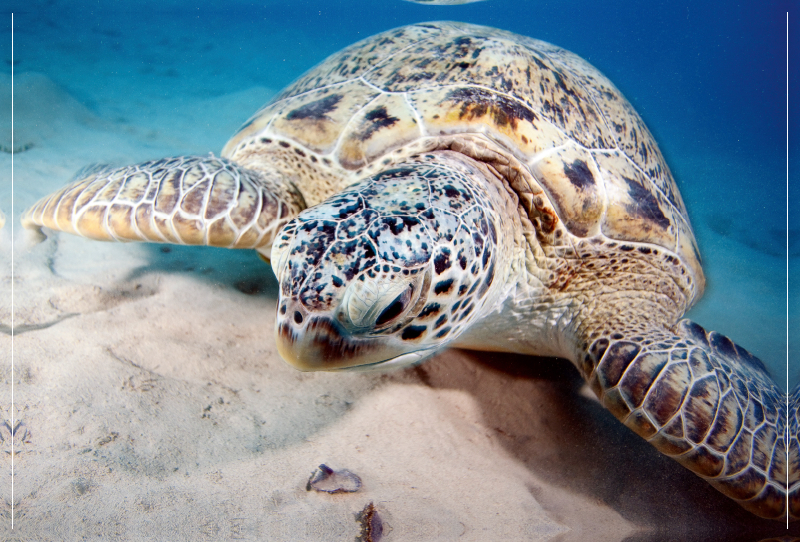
(77, 212)
(658, 188)
(624, 155)
(423, 130)
(604, 193)
(374, 87)
(106, 225)
(541, 155)
(346, 130)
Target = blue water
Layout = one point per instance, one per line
(707, 77)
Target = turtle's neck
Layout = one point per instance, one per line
(524, 318)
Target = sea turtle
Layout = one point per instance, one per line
(446, 184)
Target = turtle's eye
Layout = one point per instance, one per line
(396, 307)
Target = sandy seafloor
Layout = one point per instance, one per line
(149, 400)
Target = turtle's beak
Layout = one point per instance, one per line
(319, 343)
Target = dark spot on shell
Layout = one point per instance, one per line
(316, 110)
(325, 479)
(579, 174)
(645, 205)
(560, 82)
(378, 118)
(539, 63)
(477, 102)
(284, 144)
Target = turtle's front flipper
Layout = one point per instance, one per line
(709, 404)
(188, 200)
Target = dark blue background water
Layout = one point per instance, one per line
(707, 77)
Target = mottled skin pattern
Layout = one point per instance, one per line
(453, 185)
(400, 261)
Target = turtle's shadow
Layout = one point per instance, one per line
(242, 270)
(539, 413)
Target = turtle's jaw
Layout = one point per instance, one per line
(319, 343)
(398, 362)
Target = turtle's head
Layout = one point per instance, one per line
(385, 273)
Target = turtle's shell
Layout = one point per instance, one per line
(559, 117)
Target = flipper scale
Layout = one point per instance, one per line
(184, 200)
(710, 405)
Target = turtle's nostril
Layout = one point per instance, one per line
(283, 310)
(298, 318)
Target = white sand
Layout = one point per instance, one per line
(152, 404)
